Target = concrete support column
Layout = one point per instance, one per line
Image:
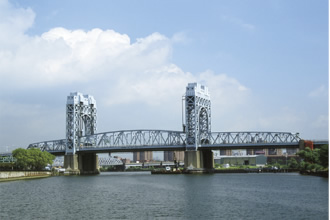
(208, 159)
(71, 163)
(82, 164)
(199, 160)
(192, 160)
(89, 163)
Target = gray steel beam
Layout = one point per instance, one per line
(159, 140)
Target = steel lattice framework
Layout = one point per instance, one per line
(103, 161)
(80, 119)
(231, 139)
(198, 115)
(135, 140)
(109, 161)
(55, 146)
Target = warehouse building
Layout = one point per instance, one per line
(251, 160)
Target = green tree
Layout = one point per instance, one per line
(324, 155)
(293, 163)
(33, 159)
(21, 156)
(309, 155)
(315, 160)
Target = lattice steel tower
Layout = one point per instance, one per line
(80, 119)
(198, 115)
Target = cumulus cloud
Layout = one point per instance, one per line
(14, 21)
(63, 57)
(135, 82)
(114, 68)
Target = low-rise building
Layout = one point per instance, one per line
(252, 160)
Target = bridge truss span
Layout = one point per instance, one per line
(133, 139)
(218, 139)
(55, 146)
(103, 161)
(109, 161)
(159, 140)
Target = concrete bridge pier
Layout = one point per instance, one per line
(71, 164)
(85, 163)
(199, 161)
(89, 163)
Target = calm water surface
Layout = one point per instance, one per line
(145, 196)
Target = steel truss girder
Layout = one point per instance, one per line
(50, 146)
(132, 139)
(109, 161)
(144, 139)
(103, 161)
(251, 138)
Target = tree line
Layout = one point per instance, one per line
(311, 160)
(35, 159)
(31, 159)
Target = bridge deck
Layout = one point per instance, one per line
(175, 148)
(163, 140)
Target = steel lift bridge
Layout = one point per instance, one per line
(82, 143)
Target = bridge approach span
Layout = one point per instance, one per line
(162, 140)
(102, 161)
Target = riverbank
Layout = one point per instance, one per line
(22, 175)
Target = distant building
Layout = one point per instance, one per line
(252, 160)
(144, 156)
(126, 160)
(174, 155)
(269, 152)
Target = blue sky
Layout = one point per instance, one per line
(265, 63)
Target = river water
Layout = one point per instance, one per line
(145, 196)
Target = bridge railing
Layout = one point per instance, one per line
(253, 138)
(50, 146)
(133, 138)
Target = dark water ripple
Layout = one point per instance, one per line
(145, 196)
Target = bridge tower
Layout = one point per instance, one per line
(198, 126)
(80, 121)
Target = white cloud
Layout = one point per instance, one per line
(135, 83)
(106, 64)
(14, 21)
(321, 91)
(142, 71)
